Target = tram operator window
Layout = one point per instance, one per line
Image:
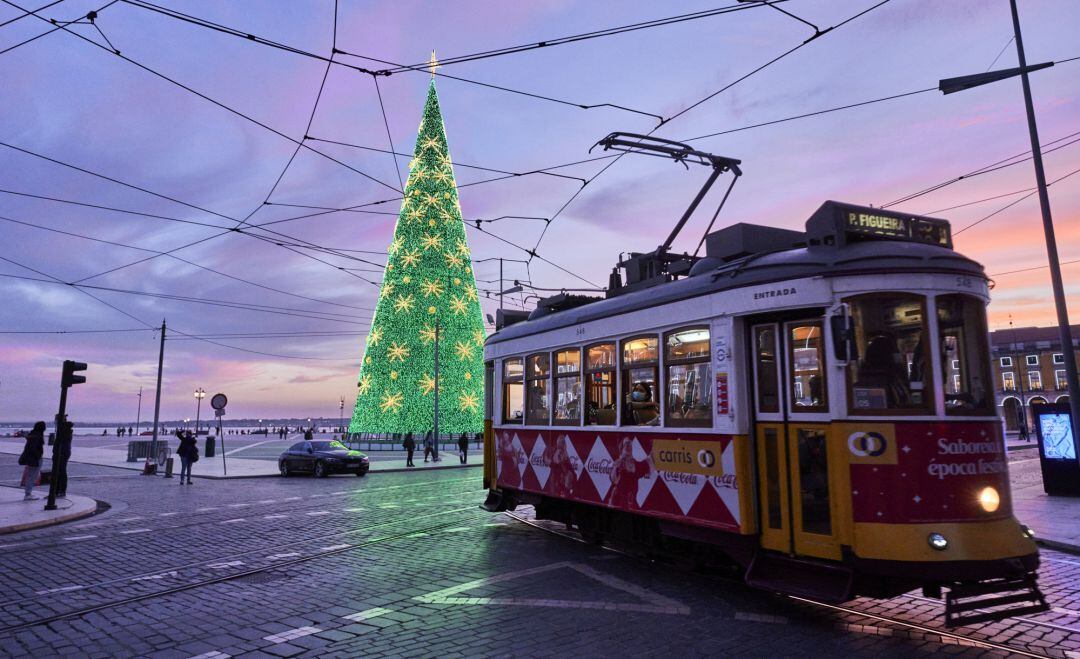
(892, 372)
(807, 361)
(962, 338)
(640, 358)
(568, 387)
(513, 390)
(600, 385)
(537, 390)
(688, 377)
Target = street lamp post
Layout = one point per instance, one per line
(1065, 331)
(199, 395)
(341, 416)
(138, 414)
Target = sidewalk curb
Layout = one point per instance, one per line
(396, 470)
(53, 521)
(1059, 546)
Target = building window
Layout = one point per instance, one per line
(892, 373)
(688, 377)
(807, 361)
(1059, 358)
(962, 340)
(1059, 380)
(568, 387)
(640, 360)
(1034, 380)
(600, 385)
(513, 389)
(538, 390)
(1032, 360)
(1008, 381)
(1006, 362)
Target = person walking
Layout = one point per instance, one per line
(63, 453)
(410, 448)
(30, 459)
(309, 435)
(130, 431)
(429, 446)
(188, 452)
(463, 446)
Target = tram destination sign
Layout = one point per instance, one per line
(838, 223)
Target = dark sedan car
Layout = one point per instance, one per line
(322, 458)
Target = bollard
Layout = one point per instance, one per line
(168, 467)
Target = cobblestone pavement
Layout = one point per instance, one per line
(407, 565)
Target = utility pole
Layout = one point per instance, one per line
(435, 446)
(1064, 328)
(157, 400)
(501, 283)
(1020, 385)
(341, 416)
(138, 413)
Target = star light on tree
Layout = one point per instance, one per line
(427, 283)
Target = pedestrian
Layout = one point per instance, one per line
(188, 452)
(63, 454)
(429, 446)
(30, 458)
(463, 446)
(308, 435)
(130, 430)
(410, 448)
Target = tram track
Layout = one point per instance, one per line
(899, 622)
(180, 588)
(270, 549)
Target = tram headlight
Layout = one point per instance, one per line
(1028, 533)
(989, 499)
(937, 541)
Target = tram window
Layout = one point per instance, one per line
(513, 390)
(814, 482)
(600, 385)
(640, 395)
(962, 337)
(892, 372)
(772, 479)
(568, 387)
(537, 388)
(689, 392)
(807, 359)
(768, 387)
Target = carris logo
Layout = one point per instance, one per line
(776, 292)
(867, 444)
(706, 458)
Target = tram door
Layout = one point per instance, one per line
(796, 489)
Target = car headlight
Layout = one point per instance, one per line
(989, 499)
(937, 541)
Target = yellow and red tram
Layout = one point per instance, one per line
(814, 406)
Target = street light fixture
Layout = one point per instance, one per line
(199, 395)
(951, 85)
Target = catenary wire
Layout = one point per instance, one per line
(1013, 203)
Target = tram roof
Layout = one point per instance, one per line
(711, 275)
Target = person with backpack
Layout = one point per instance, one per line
(429, 446)
(30, 459)
(188, 452)
(410, 447)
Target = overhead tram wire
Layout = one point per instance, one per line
(98, 331)
(1037, 267)
(992, 167)
(30, 12)
(818, 33)
(1013, 203)
(187, 262)
(386, 122)
(57, 280)
(585, 36)
(201, 22)
(207, 98)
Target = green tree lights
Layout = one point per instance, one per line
(428, 280)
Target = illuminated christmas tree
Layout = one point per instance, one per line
(428, 283)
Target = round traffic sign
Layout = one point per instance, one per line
(219, 401)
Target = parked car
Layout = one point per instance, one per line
(321, 458)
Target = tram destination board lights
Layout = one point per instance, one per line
(836, 223)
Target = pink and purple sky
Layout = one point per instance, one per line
(68, 100)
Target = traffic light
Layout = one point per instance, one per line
(69, 377)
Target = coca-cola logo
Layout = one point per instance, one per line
(602, 466)
(679, 477)
(727, 481)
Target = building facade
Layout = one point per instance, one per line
(1029, 368)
